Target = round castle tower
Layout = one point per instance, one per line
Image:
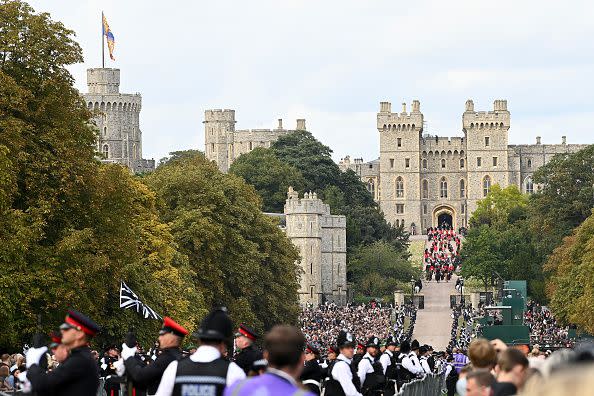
(117, 118)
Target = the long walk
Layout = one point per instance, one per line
(434, 323)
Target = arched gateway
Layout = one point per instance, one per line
(444, 214)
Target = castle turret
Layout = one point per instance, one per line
(321, 240)
(400, 135)
(117, 117)
(487, 149)
(219, 126)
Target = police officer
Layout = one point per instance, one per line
(148, 376)
(388, 362)
(311, 377)
(78, 374)
(407, 370)
(370, 371)
(248, 354)
(358, 354)
(206, 371)
(342, 377)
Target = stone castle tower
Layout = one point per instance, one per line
(223, 144)
(321, 240)
(423, 181)
(119, 139)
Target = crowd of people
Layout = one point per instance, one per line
(463, 333)
(544, 329)
(442, 257)
(320, 324)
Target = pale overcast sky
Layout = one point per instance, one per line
(332, 62)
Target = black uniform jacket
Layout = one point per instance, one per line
(246, 358)
(149, 377)
(77, 376)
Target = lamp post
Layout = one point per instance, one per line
(461, 291)
(412, 291)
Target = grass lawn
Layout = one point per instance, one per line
(416, 250)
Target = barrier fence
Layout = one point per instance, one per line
(430, 384)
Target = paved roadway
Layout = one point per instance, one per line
(434, 323)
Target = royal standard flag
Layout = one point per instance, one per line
(110, 39)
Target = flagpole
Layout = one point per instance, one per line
(102, 44)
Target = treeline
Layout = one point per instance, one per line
(546, 238)
(377, 256)
(184, 238)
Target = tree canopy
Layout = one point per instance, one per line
(571, 285)
(241, 258)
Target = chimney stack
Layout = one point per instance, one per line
(563, 139)
(403, 108)
(385, 107)
(280, 123)
(538, 140)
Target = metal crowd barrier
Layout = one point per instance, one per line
(429, 385)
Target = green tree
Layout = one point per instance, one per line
(71, 228)
(376, 270)
(565, 198)
(270, 177)
(240, 256)
(500, 207)
(481, 254)
(571, 285)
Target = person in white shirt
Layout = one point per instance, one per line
(366, 363)
(423, 359)
(188, 374)
(341, 371)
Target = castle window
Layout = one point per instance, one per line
(407, 162)
(251, 146)
(478, 161)
(399, 142)
(494, 161)
(401, 222)
(397, 223)
(461, 163)
(425, 189)
(371, 186)
(463, 208)
(424, 209)
(311, 292)
(443, 188)
(443, 163)
(424, 164)
(462, 188)
(391, 162)
(104, 131)
(487, 141)
(486, 185)
(529, 185)
(399, 208)
(399, 187)
(529, 163)
(212, 147)
(105, 151)
(311, 268)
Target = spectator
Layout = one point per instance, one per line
(4, 373)
(511, 372)
(482, 354)
(479, 383)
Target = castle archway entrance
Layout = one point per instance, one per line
(444, 215)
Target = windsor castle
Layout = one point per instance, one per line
(419, 180)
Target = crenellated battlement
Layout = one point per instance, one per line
(219, 115)
(308, 204)
(498, 118)
(403, 121)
